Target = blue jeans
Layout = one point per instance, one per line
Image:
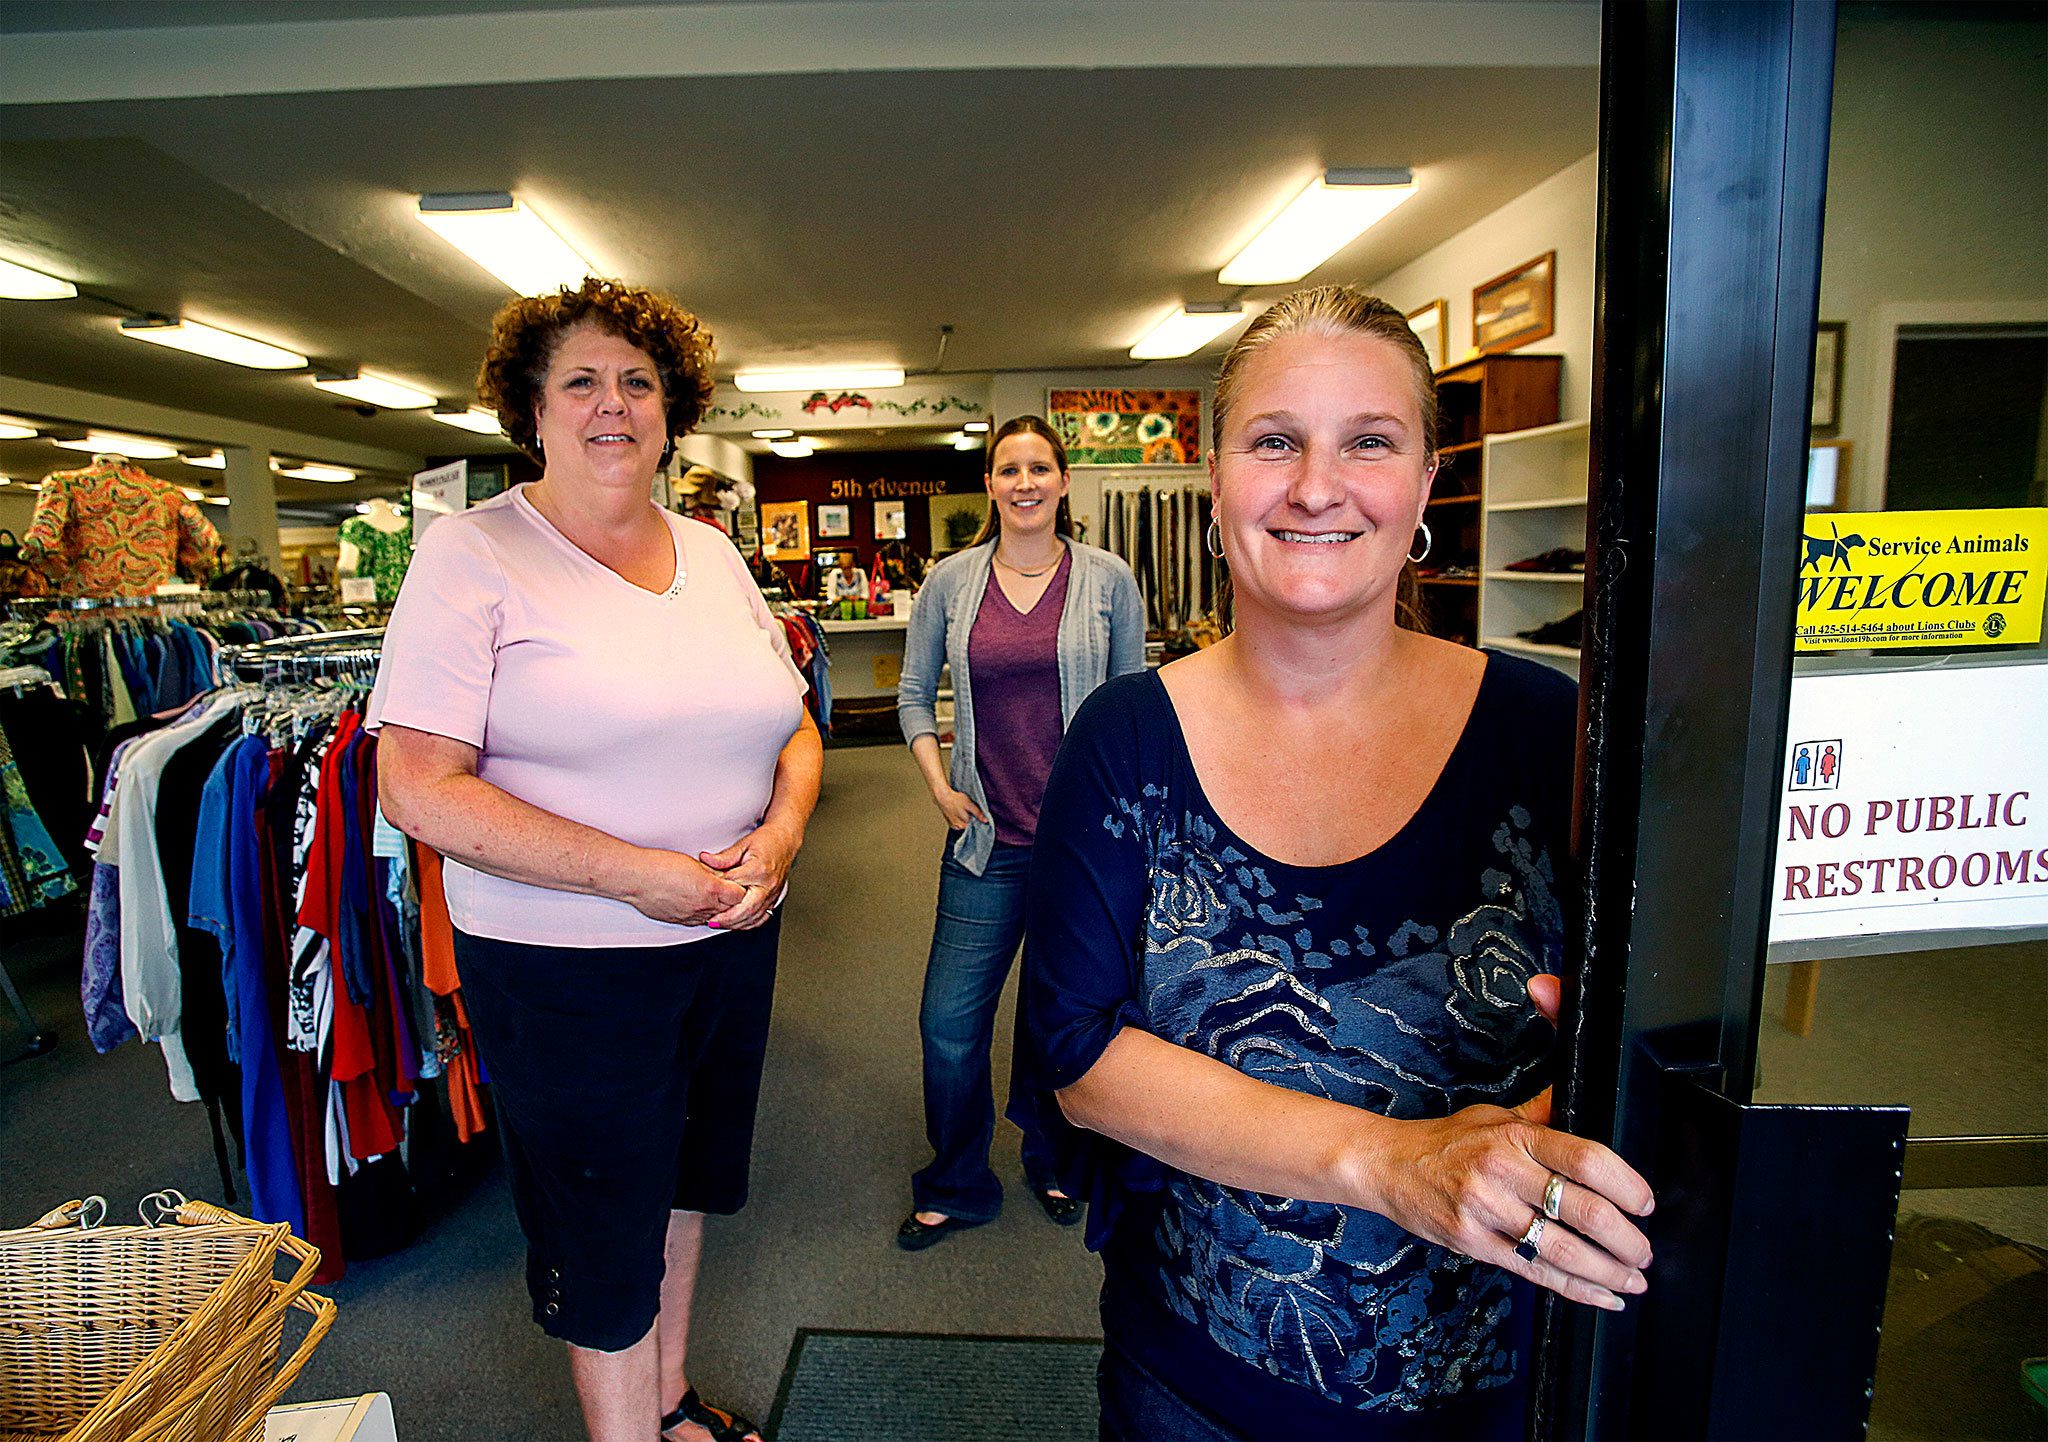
(980, 922)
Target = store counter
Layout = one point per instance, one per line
(867, 657)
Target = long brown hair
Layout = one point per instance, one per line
(992, 523)
(1331, 310)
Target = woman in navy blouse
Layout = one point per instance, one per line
(1296, 913)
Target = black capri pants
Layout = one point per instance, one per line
(626, 1080)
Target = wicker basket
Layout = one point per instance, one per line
(169, 1331)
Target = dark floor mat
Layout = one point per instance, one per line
(910, 1387)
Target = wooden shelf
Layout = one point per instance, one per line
(1532, 648)
(1553, 503)
(1460, 446)
(1449, 580)
(1577, 578)
(1452, 501)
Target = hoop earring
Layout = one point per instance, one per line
(1212, 539)
(1427, 542)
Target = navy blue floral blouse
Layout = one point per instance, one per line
(1396, 982)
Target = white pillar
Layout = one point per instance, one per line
(252, 504)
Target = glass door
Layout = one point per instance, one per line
(1909, 932)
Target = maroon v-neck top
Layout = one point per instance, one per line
(1014, 659)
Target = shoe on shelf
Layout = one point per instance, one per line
(1064, 1210)
(1561, 560)
(915, 1236)
(1569, 631)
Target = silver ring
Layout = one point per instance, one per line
(1526, 1248)
(1553, 1197)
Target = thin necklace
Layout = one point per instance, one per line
(1039, 572)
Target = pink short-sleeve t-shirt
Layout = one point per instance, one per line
(656, 718)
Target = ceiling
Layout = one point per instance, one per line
(1048, 214)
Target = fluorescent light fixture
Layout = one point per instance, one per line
(965, 442)
(18, 282)
(505, 238)
(794, 450)
(220, 345)
(1187, 329)
(15, 430)
(480, 421)
(193, 493)
(781, 433)
(310, 471)
(216, 500)
(975, 428)
(1337, 207)
(374, 390)
(211, 460)
(135, 448)
(873, 378)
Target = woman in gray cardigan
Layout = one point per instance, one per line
(1031, 621)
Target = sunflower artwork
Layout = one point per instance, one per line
(1128, 427)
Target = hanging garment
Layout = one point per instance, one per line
(112, 529)
(383, 555)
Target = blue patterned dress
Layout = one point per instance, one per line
(1396, 982)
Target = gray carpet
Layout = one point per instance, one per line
(442, 1325)
(892, 1387)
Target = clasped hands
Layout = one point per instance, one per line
(1476, 1182)
(731, 890)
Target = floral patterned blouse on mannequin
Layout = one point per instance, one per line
(115, 530)
(381, 554)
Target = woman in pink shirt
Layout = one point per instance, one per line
(586, 708)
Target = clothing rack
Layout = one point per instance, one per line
(331, 654)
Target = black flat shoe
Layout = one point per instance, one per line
(1064, 1210)
(915, 1236)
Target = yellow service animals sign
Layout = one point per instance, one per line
(1888, 579)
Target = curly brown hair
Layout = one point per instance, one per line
(526, 332)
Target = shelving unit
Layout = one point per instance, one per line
(1535, 501)
(1477, 400)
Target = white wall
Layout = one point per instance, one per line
(1937, 197)
(1558, 214)
(17, 506)
(722, 455)
(1023, 393)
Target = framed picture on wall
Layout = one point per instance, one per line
(889, 521)
(786, 530)
(835, 521)
(1828, 339)
(1427, 321)
(1112, 427)
(1513, 309)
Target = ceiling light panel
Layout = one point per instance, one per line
(375, 390)
(480, 421)
(196, 339)
(1186, 329)
(507, 239)
(774, 433)
(309, 471)
(12, 429)
(210, 460)
(18, 282)
(1336, 208)
(793, 450)
(846, 379)
(135, 448)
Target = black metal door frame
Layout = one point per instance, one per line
(1714, 136)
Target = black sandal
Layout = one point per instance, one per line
(1064, 1210)
(723, 1426)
